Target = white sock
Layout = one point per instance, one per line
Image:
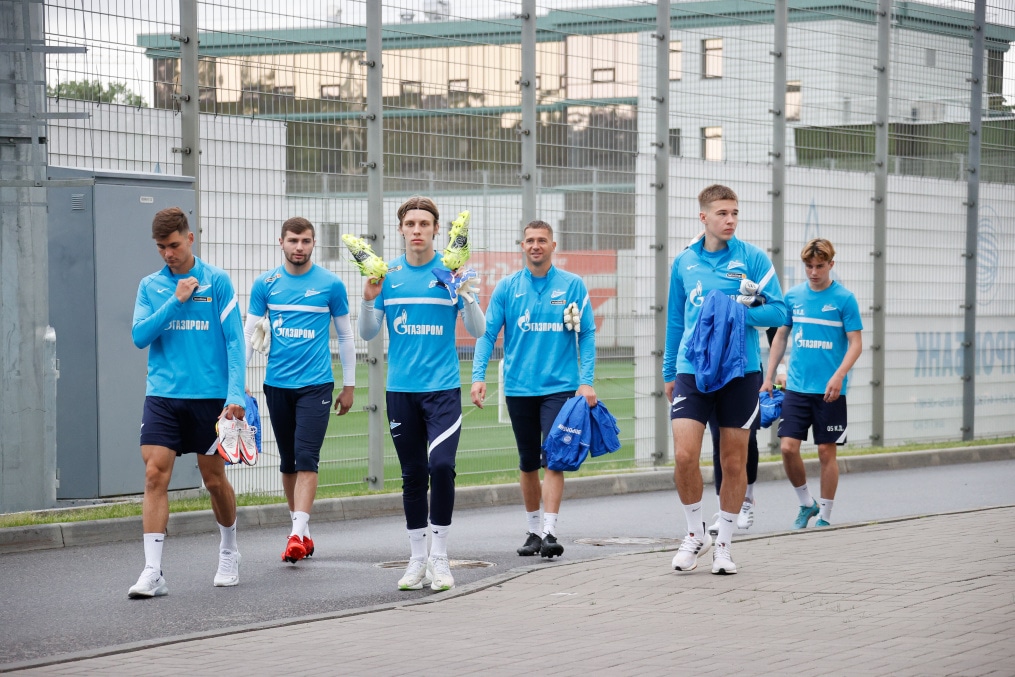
(417, 543)
(826, 509)
(749, 496)
(532, 522)
(153, 550)
(300, 520)
(693, 515)
(439, 540)
(549, 524)
(306, 530)
(228, 541)
(803, 495)
(727, 522)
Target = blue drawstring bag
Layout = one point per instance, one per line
(771, 406)
(605, 432)
(253, 418)
(567, 445)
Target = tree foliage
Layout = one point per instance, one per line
(97, 91)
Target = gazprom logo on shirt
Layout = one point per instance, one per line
(288, 332)
(696, 297)
(800, 342)
(188, 325)
(525, 324)
(400, 325)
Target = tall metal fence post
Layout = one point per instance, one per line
(528, 130)
(662, 216)
(375, 227)
(881, 125)
(973, 222)
(778, 154)
(190, 108)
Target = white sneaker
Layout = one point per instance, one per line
(691, 548)
(439, 570)
(721, 561)
(248, 443)
(746, 517)
(149, 584)
(713, 528)
(229, 439)
(416, 575)
(228, 574)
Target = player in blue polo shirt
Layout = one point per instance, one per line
(824, 328)
(424, 385)
(187, 316)
(717, 261)
(544, 366)
(301, 301)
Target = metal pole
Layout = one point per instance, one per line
(527, 82)
(972, 223)
(595, 208)
(375, 228)
(662, 212)
(190, 109)
(880, 222)
(779, 60)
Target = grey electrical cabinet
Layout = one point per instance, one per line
(100, 246)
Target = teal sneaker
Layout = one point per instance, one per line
(822, 523)
(805, 515)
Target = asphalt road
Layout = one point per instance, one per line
(75, 599)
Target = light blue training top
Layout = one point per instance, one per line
(817, 340)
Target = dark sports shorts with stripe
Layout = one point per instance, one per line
(185, 426)
(801, 411)
(735, 404)
(299, 418)
(532, 420)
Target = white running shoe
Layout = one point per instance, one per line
(439, 570)
(713, 528)
(228, 574)
(746, 517)
(229, 439)
(248, 443)
(150, 584)
(721, 561)
(691, 548)
(416, 575)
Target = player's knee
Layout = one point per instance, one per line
(442, 469)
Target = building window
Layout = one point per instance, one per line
(711, 143)
(286, 90)
(675, 143)
(794, 101)
(411, 88)
(603, 75)
(930, 58)
(458, 86)
(331, 92)
(711, 58)
(676, 60)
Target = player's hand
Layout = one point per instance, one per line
(668, 388)
(833, 389)
(780, 380)
(572, 318)
(469, 288)
(589, 393)
(478, 393)
(185, 287)
(766, 386)
(233, 411)
(372, 288)
(343, 403)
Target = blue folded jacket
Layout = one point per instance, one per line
(717, 348)
(771, 406)
(567, 445)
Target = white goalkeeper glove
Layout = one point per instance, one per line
(469, 289)
(749, 295)
(572, 317)
(748, 287)
(261, 338)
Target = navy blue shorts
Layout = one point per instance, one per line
(532, 420)
(299, 417)
(425, 428)
(185, 426)
(801, 411)
(735, 404)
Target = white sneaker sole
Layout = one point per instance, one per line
(160, 591)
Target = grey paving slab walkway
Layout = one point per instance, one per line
(924, 596)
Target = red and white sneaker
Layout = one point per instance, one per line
(294, 550)
(229, 439)
(248, 443)
(308, 545)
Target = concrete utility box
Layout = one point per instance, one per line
(100, 246)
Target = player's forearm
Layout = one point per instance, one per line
(852, 355)
(147, 329)
(775, 354)
(474, 319)
(346, 348)
(370, 320)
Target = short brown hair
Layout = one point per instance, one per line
(538, 224)
(418, 202)
(819, 248)
(297, 225)
(168, 221)
(714, 193)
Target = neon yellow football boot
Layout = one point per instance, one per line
(369, 264)
(457, 252)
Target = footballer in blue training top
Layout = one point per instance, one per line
(823, 334)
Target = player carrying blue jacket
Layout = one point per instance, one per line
(824, 326)
(424, 386)
(540, 308)
(187, 316)
(718, 261)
